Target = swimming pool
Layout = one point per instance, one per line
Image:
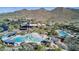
(19, 38)
(62, 33)
(33, 37)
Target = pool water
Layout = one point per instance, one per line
(62, 33)
(19, 38)
(34, 37)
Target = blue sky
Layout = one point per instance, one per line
(12, 9)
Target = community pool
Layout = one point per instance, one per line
(24, 38)
(19, 38)
(62, 33)
(33, 38)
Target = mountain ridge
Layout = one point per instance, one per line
(57, 14)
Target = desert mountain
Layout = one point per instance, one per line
(58, 14)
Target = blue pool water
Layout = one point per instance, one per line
(34, 37)
(62, 33)
(19, 38)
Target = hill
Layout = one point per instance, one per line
(58, 14)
